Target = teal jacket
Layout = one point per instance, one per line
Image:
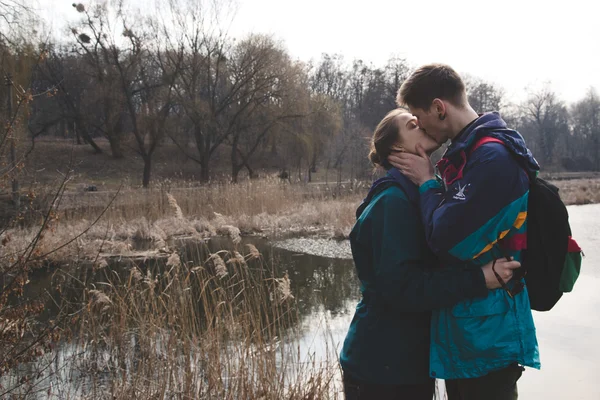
(388, 341)
(480, 214)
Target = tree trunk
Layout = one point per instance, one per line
(597, 155)
(596, 136)
(115, 146)
(204, 152)
(204, 169)
(313, 163)
(88, 139)
(76, 132)
(543, 146)
(235, 168)
(235, 171)
(352, 168)
(273, 148)
(147, 170)
(250, 170)
(63, 129)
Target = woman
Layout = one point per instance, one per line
(386, 351)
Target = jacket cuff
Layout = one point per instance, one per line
(479, 287)
(430, 184)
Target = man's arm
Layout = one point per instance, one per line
(490, 200)
(401, 279)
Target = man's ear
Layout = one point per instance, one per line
(439, 107)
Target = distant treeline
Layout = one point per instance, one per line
(180, 78)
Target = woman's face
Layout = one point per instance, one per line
(410, 135)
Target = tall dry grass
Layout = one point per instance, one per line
(579, 191)
(221, 327)
(249, 198)
(139, 219)
(151, 219)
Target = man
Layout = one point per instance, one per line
(476, 214)
(386, 351)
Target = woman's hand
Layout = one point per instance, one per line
(504, 269)
(416, 167)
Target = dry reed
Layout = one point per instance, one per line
(187, 330)
(150, 219)
(579, 191)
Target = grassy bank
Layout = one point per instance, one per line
(137, 219)
(579, 191)
(134, 219)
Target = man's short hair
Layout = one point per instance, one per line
(429, 82)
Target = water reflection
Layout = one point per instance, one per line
(318, 283)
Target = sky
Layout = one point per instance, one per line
(517, 44)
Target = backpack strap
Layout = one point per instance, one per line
(486, 139)
(518, 241)
(393, 178)
(410, 189)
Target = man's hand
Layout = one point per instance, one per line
(504, 269)
(417, 168)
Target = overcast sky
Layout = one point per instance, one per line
(513, 43)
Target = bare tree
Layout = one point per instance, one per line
(483, 96)
(109, 66)
(324, 124)
(13, 16)
(272, 98)
(76, 98)
(550, 117)
(207, 89)
(329, 78)
(140, 70)
(586, 128)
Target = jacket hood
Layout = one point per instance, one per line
(492, 125)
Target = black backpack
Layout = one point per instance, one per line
(552, 261)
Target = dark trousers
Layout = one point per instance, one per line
(358, 390)
(497, 385)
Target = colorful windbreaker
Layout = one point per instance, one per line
(476, 214)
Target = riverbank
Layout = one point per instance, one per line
(579, 191)
(92, 226)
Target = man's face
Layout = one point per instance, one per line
(430, 123)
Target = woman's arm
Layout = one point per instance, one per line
(401, 279)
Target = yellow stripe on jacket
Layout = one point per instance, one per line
(521, 218)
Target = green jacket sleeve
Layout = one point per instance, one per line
(397, 244)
